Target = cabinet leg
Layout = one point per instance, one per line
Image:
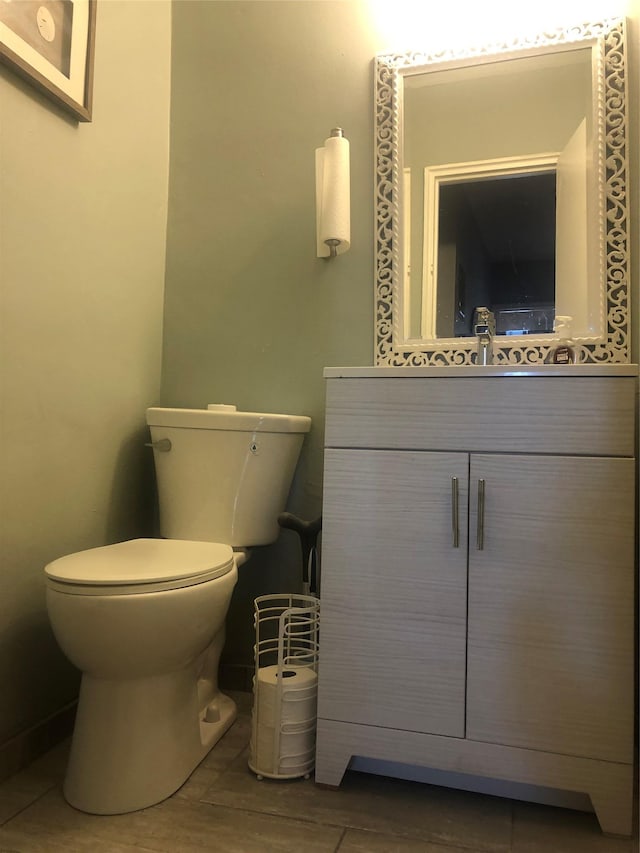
(332, 757)
(614, 811)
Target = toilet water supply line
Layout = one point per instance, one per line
(308, 532)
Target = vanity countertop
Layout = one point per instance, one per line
(489, 371)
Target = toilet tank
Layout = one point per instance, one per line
(223, 475)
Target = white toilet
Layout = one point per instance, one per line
(144, 620)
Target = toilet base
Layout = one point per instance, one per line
(136, 742)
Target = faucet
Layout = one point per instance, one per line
(484, 326)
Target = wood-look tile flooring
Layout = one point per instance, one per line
(224, 808)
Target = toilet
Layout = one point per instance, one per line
(143, 620)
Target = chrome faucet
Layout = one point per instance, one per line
(484, 326)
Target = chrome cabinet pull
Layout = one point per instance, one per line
(480, 527)
(455, 530)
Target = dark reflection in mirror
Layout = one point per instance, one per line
(496, 247)
(520, 122)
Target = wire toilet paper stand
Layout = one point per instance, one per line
(285, 686)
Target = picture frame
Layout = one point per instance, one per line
(50, 43)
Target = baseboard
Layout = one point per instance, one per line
(25, 747)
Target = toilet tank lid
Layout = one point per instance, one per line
(227, 420)
(142, 561)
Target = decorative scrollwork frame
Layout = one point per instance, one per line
(607, 41)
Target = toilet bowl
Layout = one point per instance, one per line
(143, 620)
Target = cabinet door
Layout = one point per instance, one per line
(394, 576)
(550, 647)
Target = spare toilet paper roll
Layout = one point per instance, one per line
(294, 751)
(295, 702)
(333, 195)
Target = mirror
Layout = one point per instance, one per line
(500, 181)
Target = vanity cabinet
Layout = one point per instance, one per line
(478, 578)
(549, 655)
(394, 629)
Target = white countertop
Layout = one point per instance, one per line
(492, 370)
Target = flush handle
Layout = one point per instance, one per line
(455, 513)
(480, 527)
(163, 445)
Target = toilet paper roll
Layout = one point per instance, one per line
(333, 195)
(292, 678)
(293, 753)
(287, 698)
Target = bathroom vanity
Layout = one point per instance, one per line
(478, 576)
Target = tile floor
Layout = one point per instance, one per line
(224, 808)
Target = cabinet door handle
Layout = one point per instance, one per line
(455, 512)
(480, 526)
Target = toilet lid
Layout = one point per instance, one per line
(143, 563)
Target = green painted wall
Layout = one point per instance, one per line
(251, 315)
(82, 238)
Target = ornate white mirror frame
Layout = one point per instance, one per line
(392, 347)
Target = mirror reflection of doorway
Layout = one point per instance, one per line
(511, 234)
(497, 247)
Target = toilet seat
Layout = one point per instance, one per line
(139, 566)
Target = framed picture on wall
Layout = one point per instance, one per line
(50, 43)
